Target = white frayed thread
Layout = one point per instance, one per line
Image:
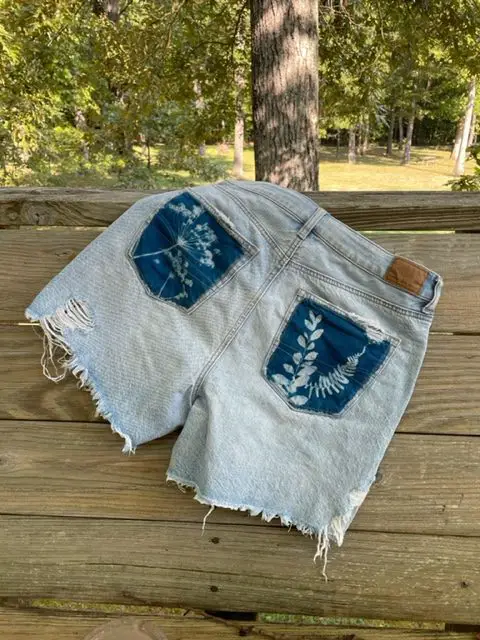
(374, 333)
(73, 315)
(334, 530)
(323, 546)
(206, 516)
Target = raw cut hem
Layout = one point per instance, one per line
(335, 530)
(73, 315)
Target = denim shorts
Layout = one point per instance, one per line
(286, 344)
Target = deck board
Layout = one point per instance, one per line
(359, 209)
(239, 567)
(39, 255)
(425, 485)
(80, 520)
(45, 624)
(445, 399)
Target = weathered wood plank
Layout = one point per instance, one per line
(375, 575)
(41, 624)
(445, 400)
(426, 484)
(360, 209)
(36, 256)
(25, 393)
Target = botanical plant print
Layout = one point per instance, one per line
(324, 358)
(184, 251)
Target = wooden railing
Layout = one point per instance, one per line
(81, 522)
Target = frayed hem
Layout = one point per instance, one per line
(335, 530)
(73, 315)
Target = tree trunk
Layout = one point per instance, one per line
(199, 105)
(460, 162)
(366, 133)
(458, 138)
(391, 127)
(240, 84)
(408, 141)
(352, 155)
(472, 135)
(400, 132)
(81, 124)
(112, 10)
(285, 92)
(239, 129)
(337, 155)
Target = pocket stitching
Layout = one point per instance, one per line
(301, 294)
(250, 251)
(426, 316)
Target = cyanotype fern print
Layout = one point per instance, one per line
(324, 358)
(184, 251)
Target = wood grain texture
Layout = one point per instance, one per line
(374, 575)
(41, 624)
(425, 484)
(359, 209)
(445, 399)
(36, 256)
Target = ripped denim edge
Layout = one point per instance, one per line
(333, 531)
(73, 315)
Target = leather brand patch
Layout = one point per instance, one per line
(406, 274)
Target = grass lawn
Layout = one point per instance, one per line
(429, 169)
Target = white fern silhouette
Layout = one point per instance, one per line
(335, 381)
(303, 368)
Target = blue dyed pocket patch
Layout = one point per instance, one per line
(184, 252)
(322, 358)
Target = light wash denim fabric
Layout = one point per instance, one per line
(286, 344)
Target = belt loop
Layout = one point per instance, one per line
(430, 306)
(311, 222)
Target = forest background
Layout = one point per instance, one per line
(155, 94)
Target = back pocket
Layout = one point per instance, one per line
(322, 358)
(187, 251)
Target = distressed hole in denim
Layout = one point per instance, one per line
(184, 251)
(58, 357)
(324, 358)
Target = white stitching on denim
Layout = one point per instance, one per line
(275, 271)
(319, 236)
(263, 192)
(301, 294)
(366, 269)
(251, 250)
(425, 317)
(255, 221)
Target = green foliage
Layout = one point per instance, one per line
(469, 182)
(83, 87)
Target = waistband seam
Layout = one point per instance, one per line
(364, 268)
(253, 219)
(426, 317)
(318, 234)
(262, 192)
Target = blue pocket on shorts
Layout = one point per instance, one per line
(187, 250)
(322, 358)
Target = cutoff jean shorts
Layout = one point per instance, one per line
(286, 344)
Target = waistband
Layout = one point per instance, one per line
(354, 246)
